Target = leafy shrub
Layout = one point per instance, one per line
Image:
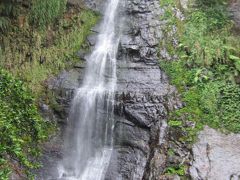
(207, 69)
(212, 102)
(229, 107)
(21, 127)
(207, 72)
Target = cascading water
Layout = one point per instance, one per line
(89, 135)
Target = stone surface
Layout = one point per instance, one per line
(216, 156)
(184, 3)
(235, 11)
(97, 5)
(143, 100)
(143, 97)
(52, 151)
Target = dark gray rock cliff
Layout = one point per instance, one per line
(143, 97)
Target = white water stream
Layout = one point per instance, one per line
(88, 142)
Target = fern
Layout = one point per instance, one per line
(4, 24)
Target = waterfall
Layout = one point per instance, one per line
(88, 141)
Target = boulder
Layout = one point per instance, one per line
(216, 156)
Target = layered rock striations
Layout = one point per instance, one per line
(143, 96)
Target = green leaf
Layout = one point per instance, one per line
(234, 58)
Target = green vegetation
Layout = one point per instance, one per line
(44, 12)
(207, 72)
(4, 24)
(45, 53)
(38, 40)
(179, 170)
(5, 11)
(175, 123)
(21, 127)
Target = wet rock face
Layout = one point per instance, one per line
(216, 156)
(142, 31)
(96, 5)
(143, 94)
(143, 100)
(64, 87)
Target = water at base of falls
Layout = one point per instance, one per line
(88, 141)
(95, 167)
